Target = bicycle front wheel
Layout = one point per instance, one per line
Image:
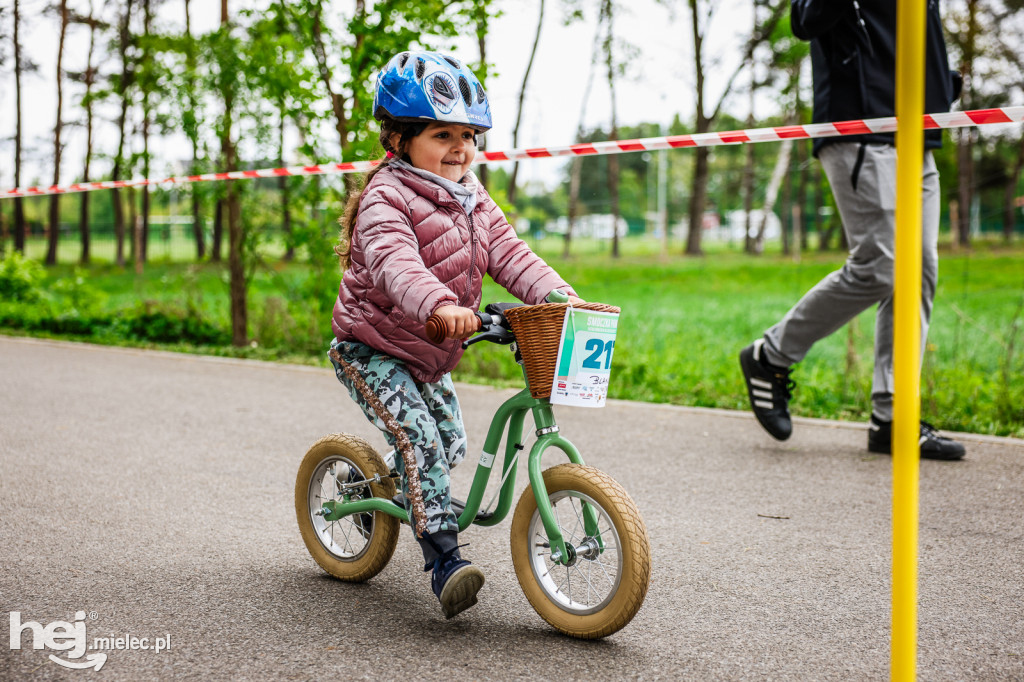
(353, 548)
(603, 584)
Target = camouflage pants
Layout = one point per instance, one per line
(428, 412)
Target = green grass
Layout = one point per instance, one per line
(684, 321)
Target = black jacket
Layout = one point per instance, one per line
(853, 58)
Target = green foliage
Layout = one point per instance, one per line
(164, 323)
(145, 322)
(683, 323)
(20, 278)
(78, 297)
(685, 320)
(76, 307)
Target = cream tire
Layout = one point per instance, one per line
(606, 584)
(356, 547)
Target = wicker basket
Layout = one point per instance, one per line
(538, 329)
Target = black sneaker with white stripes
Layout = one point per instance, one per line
(769, 389)
(933, 446)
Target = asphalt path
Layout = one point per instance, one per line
(150, 495)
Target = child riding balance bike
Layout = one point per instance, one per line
(416, 243)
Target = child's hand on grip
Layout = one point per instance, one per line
(459, 322)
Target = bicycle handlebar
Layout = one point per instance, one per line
(437, 329)
(493, 326)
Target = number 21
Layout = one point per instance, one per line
(598, 347)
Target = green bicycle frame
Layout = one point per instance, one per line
(513, 414)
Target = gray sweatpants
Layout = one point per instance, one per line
(868, 214)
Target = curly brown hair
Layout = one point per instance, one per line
(388, 128)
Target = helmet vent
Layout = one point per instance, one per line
(453, 61)
(480, 96)
(467, 94)
(402, 59)
(442, 90)
(421, 67)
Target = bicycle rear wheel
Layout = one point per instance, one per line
(356, 547)
(605, 581)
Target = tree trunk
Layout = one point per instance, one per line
(115, 197)
(482, 29)
(19, 208)
(577, 162)
(801, 162)
(748, 168)
(965, 189)
(143, 248)
(197, 222)
(965, 150)
(53, 233)
(663, 197)
(698, 195)
(133, 225)
(797, 216)
(1010, 194)
(136, 238)
(90, 77)
(341, 124)
(801, 194)
(124, 82)
(789, 235)
(771, 194)
(519, 112)
(748, 192)
(698, 200)
(218, 231)
(283, 186)
(613, 160)
(236, 269)
(324, 69)
(190, 68)
(574, 203)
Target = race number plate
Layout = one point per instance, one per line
(584, 358)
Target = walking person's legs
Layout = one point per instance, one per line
(860, 176)
(932, 445)
(863, 180)
(882, 382)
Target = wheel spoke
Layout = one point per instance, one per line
(582, 587)
(603, 568)
(334, 535)
(578, 513)
(586, 579)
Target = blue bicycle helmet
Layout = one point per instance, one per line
(429, 86)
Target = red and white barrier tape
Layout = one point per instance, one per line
(956, 119)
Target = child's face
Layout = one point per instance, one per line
(445, 149)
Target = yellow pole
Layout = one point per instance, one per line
(910, 23)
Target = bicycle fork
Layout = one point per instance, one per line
(548, 436)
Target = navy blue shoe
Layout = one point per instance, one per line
(455, 581)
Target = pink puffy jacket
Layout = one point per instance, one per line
(415, 249)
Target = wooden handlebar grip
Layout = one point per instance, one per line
(437, 330)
